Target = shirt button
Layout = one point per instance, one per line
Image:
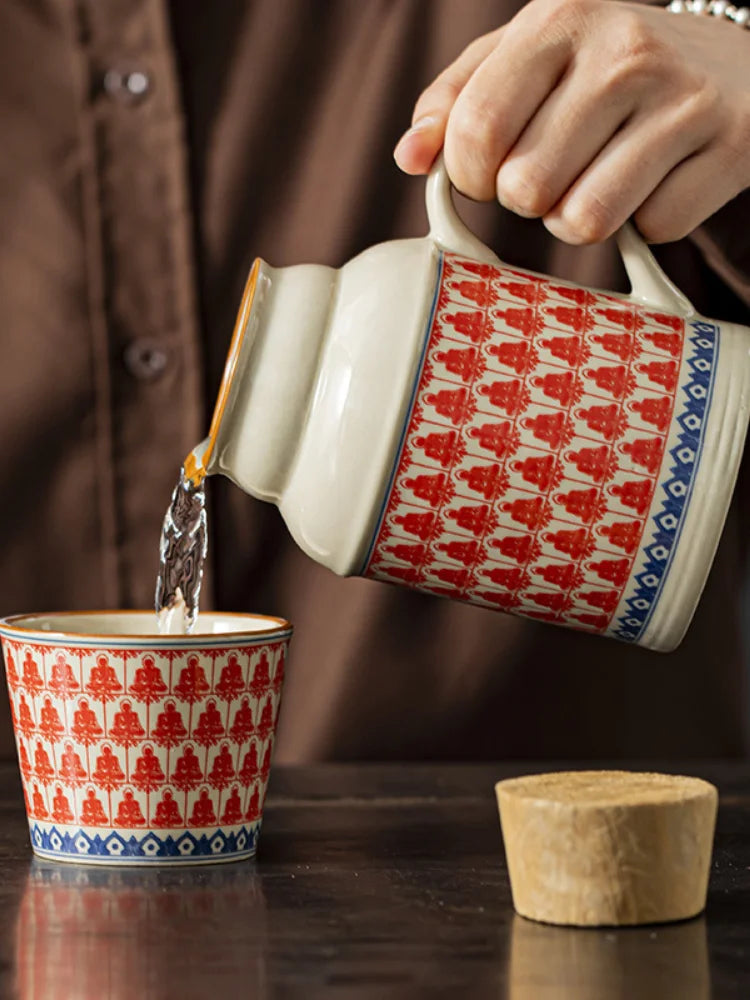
(128, 87)
(145, 359)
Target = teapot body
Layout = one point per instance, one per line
(437, 419)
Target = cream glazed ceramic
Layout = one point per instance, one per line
(430, 416)
(144, 749)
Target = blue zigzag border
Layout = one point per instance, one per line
(666, 525)
(146, 848)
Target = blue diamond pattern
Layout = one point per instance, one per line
(149, 847)
(667, 523)
(692, 422)
(677, 488)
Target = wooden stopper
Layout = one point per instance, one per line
(596, 848)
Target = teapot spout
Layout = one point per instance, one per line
(194, 468)
(201, 461)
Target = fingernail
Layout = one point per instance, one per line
(426, 121)
(420, 125)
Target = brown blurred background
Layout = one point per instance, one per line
(150, 151)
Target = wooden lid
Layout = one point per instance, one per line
(607, 847)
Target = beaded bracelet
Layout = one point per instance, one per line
(715, 8)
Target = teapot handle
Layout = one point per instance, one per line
(649, 284)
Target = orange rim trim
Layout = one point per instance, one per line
(9, 625)
(194, 471)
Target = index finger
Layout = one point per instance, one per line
(419, 146)
(505, 91)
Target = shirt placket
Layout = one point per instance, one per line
(144, 321)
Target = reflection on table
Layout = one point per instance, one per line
(135, 934)
(661, 962)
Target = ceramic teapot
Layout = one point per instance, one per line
(430, 416)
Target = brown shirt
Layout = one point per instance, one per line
(150, 151)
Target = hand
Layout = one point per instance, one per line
(585, 112)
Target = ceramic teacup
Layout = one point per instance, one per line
(144, 749)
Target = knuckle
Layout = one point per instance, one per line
(588, 220)
(476, 126)
(522, 190)
(674, 210)
(707, 98)
(656, 226)
(635, 55)
(467, 177)
(558, 16)
(702, 104)
(634, 37)
(472, 138)
(732, 136)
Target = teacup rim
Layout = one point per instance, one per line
(10, 627)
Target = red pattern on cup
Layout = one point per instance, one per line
(133, 738)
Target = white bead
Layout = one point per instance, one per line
(717, 8)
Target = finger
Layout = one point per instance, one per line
(441, 94)
(688, 196)
(419, 146)
(624, 174)
(503, 95)
(567, 132)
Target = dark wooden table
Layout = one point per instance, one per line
(371, 881)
